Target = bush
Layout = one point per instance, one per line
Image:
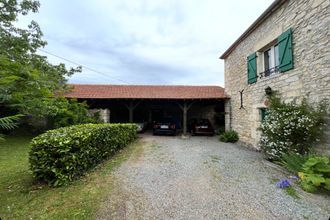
(293, 162)
(66, 112)
(62, 112)
(61, 155)
(291, 128)
(315, 174)
(220, 130)
(229, 136)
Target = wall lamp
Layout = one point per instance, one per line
(268, 91)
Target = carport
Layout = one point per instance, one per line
(136, 103)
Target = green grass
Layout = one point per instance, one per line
(274, 180)
(292, 192)
(22, 198)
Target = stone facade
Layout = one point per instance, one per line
(310, 77)
(104, 114)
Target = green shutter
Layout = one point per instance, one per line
(285, 51)
(252, 68)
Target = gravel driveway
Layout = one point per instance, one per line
(202, 178)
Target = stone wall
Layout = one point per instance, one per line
(104, 114)
(310, 78)
(205, 112)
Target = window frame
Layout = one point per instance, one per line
(273, 59)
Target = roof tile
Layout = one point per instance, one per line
(145, 92)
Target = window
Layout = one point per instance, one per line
(267, 59)
(276, 54)
(271, 60)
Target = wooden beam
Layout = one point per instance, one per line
(136, 105)
(189, 106)
(185, 110)
(180, 106)
(131, 112)
(185, 107)
(131, 108)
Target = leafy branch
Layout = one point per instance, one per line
(9, 122)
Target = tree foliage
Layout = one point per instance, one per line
(8, 123)
(25, 76)
(29, 84)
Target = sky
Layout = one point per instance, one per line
(162, 42)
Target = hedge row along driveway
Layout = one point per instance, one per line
(61, 155)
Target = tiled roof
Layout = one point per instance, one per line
(85, 91)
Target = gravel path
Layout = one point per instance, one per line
(202, 178)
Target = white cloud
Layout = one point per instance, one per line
(146, 41)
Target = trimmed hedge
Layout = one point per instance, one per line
(61, 155)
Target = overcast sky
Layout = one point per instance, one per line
(145, 41)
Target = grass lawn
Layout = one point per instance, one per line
(22, 198)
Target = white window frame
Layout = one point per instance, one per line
(272, 64)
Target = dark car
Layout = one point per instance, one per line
(201, 126)
(165, 126)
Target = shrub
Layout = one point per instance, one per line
(61, 155)
(62, 112)
(293, 162)
(291, 128)
(229, 136)
(315, 174)
(220, 130)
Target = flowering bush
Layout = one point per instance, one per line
(291, 128)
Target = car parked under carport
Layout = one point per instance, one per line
(133, 103)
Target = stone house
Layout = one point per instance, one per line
(286, 49)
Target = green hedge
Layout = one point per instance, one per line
(61, 155)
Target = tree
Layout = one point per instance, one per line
(29, 84)
(26, 77)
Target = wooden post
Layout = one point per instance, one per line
(185, 110)
(131, 108)
(185, 107)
